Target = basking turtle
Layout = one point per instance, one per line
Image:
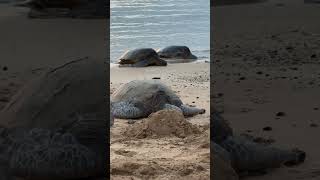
(176, 54)
(140, 98)
(141, 58)
(247, 156)
(55, 127)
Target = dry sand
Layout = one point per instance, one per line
(267, 61)
(161, 156)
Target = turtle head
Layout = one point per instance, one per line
(162, 62)
(298, 157)
(193, 56)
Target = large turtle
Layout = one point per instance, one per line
(176, 54)
(141, 58)
(246, 156)
(139, 98)
(55, 127)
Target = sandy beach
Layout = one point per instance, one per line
(266, 77)
(167, 157)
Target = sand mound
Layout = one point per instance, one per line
(163, 123)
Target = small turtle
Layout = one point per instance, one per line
(55, 127)
(176, 54)
(141, 58)
(245, 155)
(140, 98)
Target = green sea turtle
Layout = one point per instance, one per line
(139, 98)
(245, 155)
(176, 54)
(141, 58)
(55, 127)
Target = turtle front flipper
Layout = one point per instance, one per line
(126, 110)
(252, 157)
(191, 111)
(51, 156)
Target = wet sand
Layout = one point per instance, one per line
(167, 157)
(267, 69)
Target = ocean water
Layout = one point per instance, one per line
(160, 23)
